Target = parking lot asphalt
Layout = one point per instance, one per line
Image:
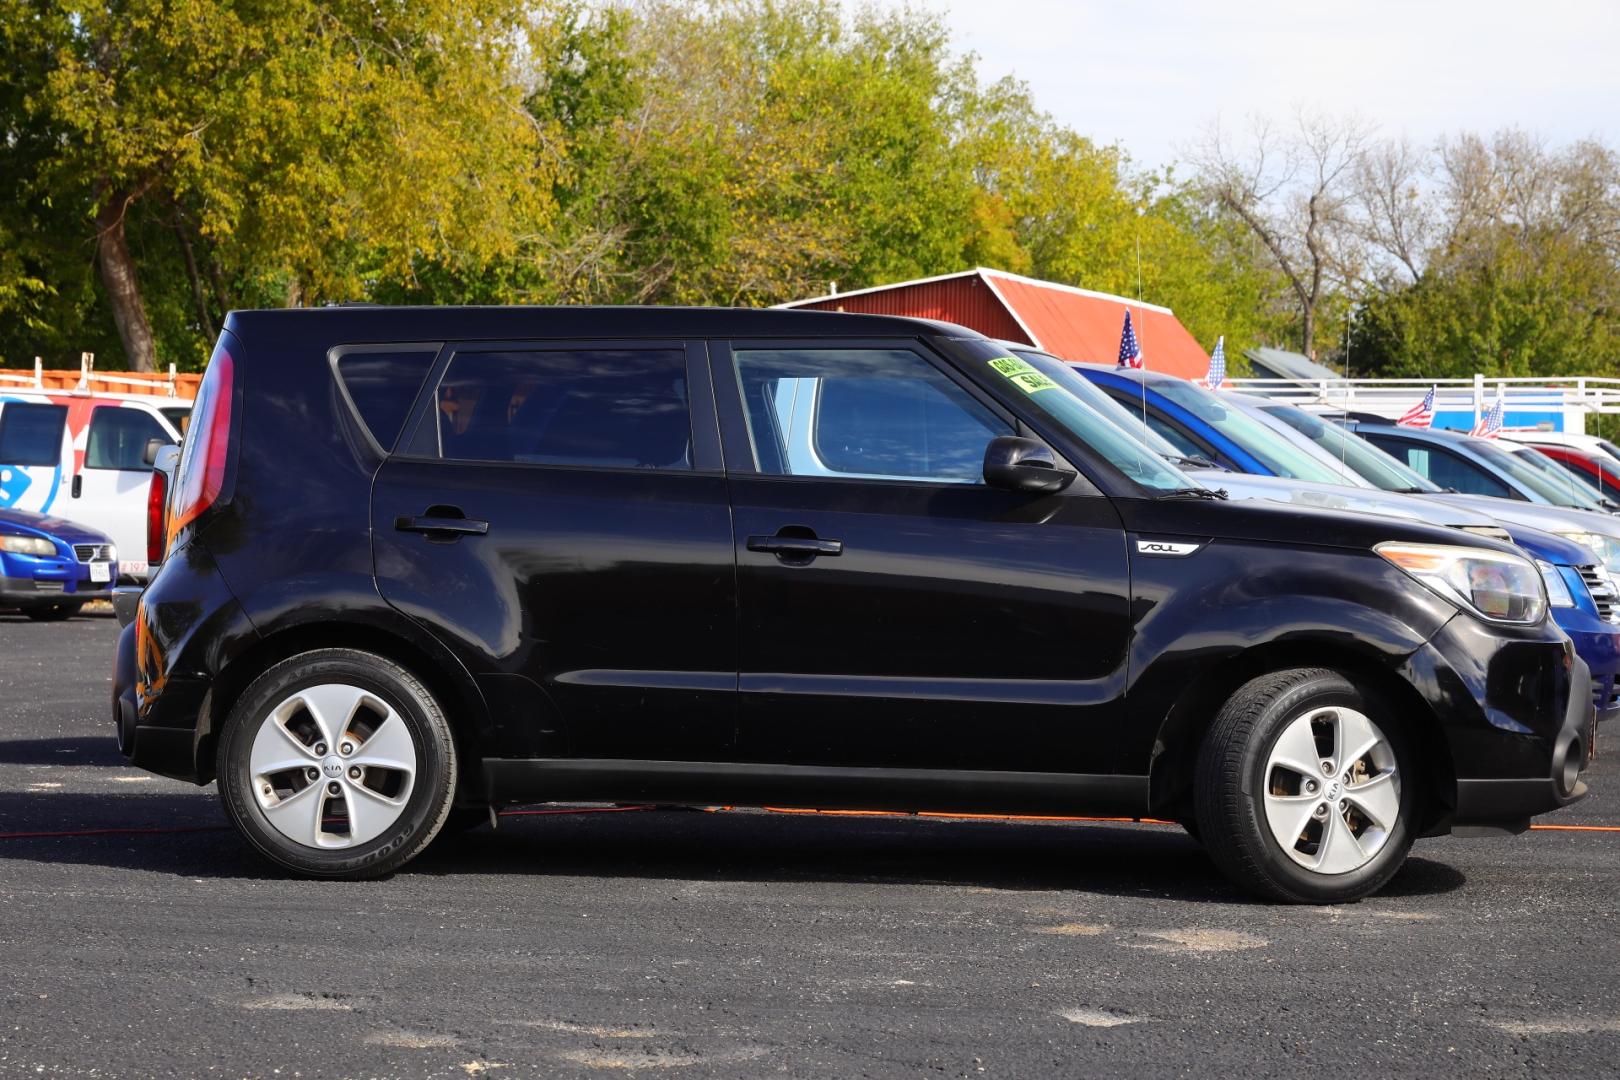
(746, 944)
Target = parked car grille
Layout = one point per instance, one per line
(92, 552)
(48, 586)
(1601, 587)
(1606, 694)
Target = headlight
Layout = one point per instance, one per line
(1606, 548)
(27, 545)
(1494, 585)
(1558, 594)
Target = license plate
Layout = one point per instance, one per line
(100, 571)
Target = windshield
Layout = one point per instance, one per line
(1094, 395)
(1556, 475)
(1050, 384)
(1269, 447)
(1555, 492)
(1361, 456)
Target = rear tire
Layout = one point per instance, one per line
(1306, 789)
(53, 612)
(337, 764)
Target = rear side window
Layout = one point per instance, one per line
(382, 386)
(615, 408)
(118, 438)
(31, 434)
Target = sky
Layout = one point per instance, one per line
(1153, 74)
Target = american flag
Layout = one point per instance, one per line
(1130, 353)
(1490, 425)
(1217, 365)
(1420, 415)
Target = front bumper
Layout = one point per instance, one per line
(19, 591)
(1516, 712)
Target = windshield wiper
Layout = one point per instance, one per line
(1192, 493)
(1191, 462)
(1415, 491)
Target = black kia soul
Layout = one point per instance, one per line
(424, 562)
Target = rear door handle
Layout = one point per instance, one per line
(459, 526)
(795, 546)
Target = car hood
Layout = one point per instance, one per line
(1553, 519)
(1422, 508)
(28, 523)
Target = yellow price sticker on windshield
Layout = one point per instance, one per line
(1022, 374)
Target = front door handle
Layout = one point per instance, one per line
(795, 547)
(442, 525)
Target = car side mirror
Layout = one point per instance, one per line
(149, 455)
(1019, 464)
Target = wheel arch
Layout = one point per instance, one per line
(1181, 734)
(445, 678)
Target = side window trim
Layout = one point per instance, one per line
(419, 440)
(734, 426)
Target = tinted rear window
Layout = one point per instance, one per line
(382, 386)
(620, 408)
(31, 434)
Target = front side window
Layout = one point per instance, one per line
(865, 413)
(31, 434)
(118, 438)
(1443, 468)
(613, 408)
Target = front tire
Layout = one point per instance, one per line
(1306, 789)
(337, 764)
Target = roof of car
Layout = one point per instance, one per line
(381, 322)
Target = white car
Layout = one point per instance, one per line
(87, 457)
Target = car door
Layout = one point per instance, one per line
(109, 491)
(894, 609)
(557, 513)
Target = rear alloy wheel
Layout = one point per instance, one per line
(1302, 793)
(53, 612)
(337, 764)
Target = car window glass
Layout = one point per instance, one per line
(1443, 468)
(31, 434)
(179, 416)
(874, 413)
(118, 438)
(382, 386)
(621, 408)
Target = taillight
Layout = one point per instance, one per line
(157, 502)
(201, 473)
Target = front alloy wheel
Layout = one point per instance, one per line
(1304, 789)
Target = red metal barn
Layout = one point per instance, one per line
(1075, 324)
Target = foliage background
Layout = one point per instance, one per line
(271, 152)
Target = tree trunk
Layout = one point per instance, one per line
(204, 319)
(118, 278)
(1308, 331)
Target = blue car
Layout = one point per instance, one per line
(1583, 596)
(51, 567)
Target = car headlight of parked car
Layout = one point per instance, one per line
(27, 545)
(1606, 548)
(1492, 584)
(1558, 594)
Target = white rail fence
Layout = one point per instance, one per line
(1571, 394)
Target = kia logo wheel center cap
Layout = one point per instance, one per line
(332, 766)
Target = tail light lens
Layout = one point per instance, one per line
(157, 528)
(201, 475)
